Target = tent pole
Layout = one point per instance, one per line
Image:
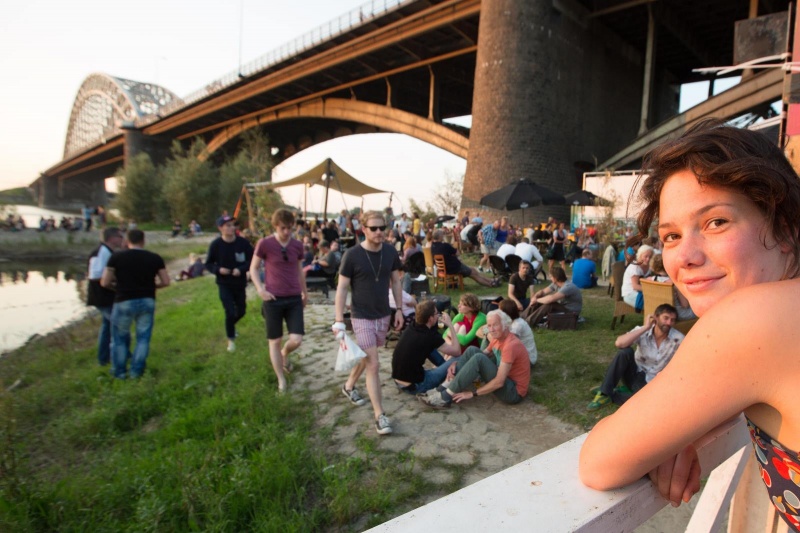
(251, 216)
(305, 201)
(327, 187)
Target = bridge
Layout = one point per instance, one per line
(551, 85)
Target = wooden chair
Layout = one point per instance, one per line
(655, 293)
(658, 292)
(426, 251)
(620, 307)
(445, 279)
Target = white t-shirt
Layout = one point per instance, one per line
(504, 250)
(627, 279)
(528, 252)
(523, 331)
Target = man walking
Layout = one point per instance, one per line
(656, 342)
(100, 297)
(283, 291)
(228, 258)
(135, 274)
(368, 269)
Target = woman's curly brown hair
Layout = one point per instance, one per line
(744, 161)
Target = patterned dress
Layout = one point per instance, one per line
(780, 471)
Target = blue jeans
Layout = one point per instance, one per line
(104, 337)
(139, 311)
(434, 377)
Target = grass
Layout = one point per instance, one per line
(570, 362)
(202, 442)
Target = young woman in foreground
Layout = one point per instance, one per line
(727, 207)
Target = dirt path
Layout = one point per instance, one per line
(482, 437)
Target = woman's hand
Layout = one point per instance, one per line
(678, 478)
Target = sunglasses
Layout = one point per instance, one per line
(283, 253)
(376, 228)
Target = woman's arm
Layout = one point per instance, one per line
(467, 338)
(691, 396)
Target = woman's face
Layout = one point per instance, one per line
(464, 309)
(714, 241)
(645, 259)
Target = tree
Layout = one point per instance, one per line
(425, 214)
(447, 197)
(138, 188)
(252, 163)
(191, 186)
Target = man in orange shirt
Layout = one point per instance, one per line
(504, 369)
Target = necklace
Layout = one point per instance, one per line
(380, 263)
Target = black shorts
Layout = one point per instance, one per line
(283, 307)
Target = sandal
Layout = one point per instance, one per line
(496, 282)
(288, 367)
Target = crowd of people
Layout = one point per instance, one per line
(726, 202)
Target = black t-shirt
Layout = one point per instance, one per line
(332, 259)
(136, 271)
(415, 345)
(330, 234)
(451, 262)
(370, 297)
(521, 286)
(235, 254)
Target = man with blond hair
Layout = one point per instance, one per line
(368, 270)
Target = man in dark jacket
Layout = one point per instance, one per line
(228, 258)
(100, 297)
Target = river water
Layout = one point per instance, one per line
(38, 298)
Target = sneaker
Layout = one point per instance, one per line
(382, 425)
(594, 390)
(599, 401)
(622, 389)
(354, 397)
(231, 346)
(434, 400)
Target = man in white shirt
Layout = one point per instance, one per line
(656, 343)
(530, 253)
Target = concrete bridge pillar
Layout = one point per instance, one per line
(517, 125)
(554, 89)
(137, 142)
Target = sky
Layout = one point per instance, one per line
(51, 46)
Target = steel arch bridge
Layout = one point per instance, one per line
(105, 104)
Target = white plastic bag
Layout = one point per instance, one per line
(349, 353)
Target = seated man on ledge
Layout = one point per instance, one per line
(657, 341)
(421, 341)
(507, 378)
(560, 297)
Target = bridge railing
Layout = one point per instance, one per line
(544, 494)
(338, 26)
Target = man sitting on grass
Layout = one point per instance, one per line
(507, 378)
(656, 343)
(419, 342)
(560, 297)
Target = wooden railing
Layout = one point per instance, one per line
(545, 494)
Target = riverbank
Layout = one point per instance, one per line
(60, 244)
